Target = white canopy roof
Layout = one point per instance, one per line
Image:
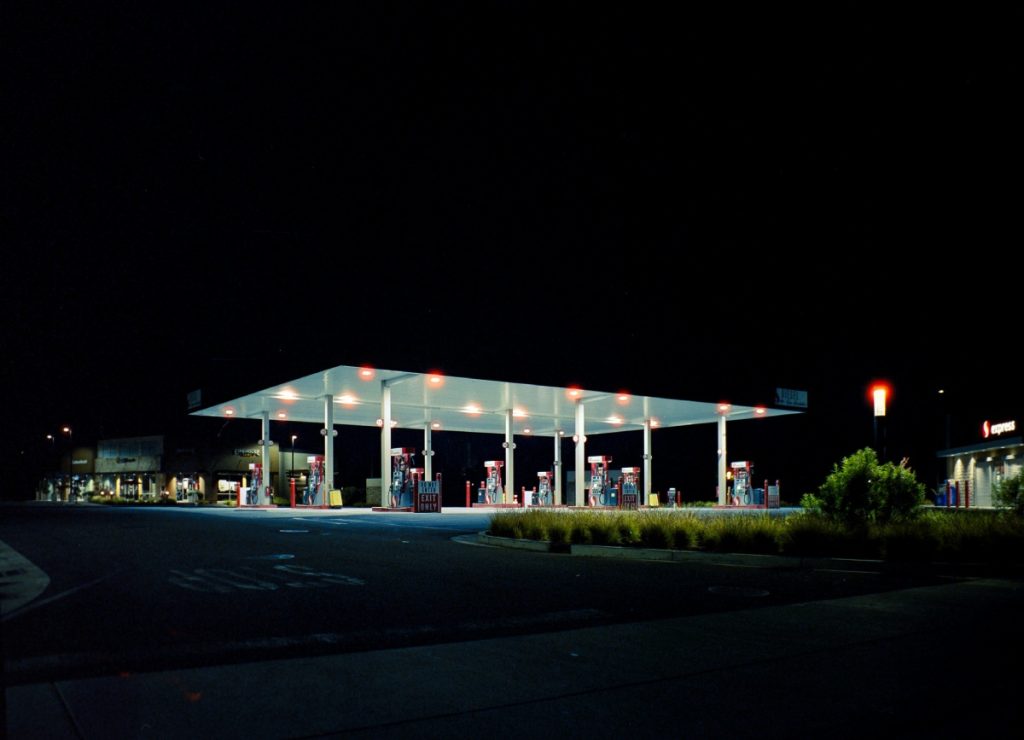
(468, 404)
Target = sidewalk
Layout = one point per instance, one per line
(841, 667)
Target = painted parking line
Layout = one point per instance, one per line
(247, 578)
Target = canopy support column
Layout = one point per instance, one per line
(581, 456)
(510, 459)
(722, 492)
(557, 472)
(262, 494)
(647, 463)
(385, 443)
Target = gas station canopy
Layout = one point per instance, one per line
(447, 403)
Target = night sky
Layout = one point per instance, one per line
(695, 204)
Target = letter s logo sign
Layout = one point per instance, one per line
(985, 429)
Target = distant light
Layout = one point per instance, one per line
(526, 431)
(724, 407)
(49, 436)
(573, 392)
(66, 430)
(519, 413)
(879, 393)
(348, 399)
(436, 379)
(623, 397)
(436, 425)
(561, 432)
(760, 410)
(471, 408)
(281, 415)
(287, 395)
(941, 391)
(366, 372)
(229, 412)
(614, 419)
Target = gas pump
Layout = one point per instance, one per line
(629, 485)
(252, 497)
(491, 491)
(601, 492)
(544, 495)
(315, 481)
(742, 481)
(403, 476)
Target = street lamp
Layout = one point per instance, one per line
(53, 460)
(291, 471)
(879, 394)
(71, 455)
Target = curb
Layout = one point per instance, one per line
(640, 553)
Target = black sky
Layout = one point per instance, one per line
(702, 204)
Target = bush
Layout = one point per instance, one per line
(1009, 494)
(861, 490)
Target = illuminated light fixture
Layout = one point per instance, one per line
(526, 431)
(287, 395)
(655, 423)
(760, 410)
(573, 392)
(66, 430)
(348, 399)
(394, 422)
(623, 397)
(435, 379)
(941, 391)
(282, 415)
(519, 413)
(380, 422)
(366, 372)
(229, 412)
(436, 425)
(724, 407)
(614, 419)
(471, 408)
(879, 395)
(561, 432)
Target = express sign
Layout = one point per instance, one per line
(994, 430)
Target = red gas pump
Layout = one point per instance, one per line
(600, 488)
(491, 491)
(742, 482)
(545, 489)
(402, 480)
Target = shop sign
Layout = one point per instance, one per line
(790, 397)
(247, 453)
(994, 430)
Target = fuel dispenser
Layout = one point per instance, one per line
(313, 494)
(742, 483)
(545, 489)
(601, 491)
(252, 493)
(629, 485)
(403, 477)
(491, 491)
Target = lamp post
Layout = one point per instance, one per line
(291, 468)
(53, 459)
(879, 394)
(71, 455)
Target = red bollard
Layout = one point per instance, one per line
(467, 495)
(291, 491)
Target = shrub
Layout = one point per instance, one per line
(1009, 494)
(861, 490)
